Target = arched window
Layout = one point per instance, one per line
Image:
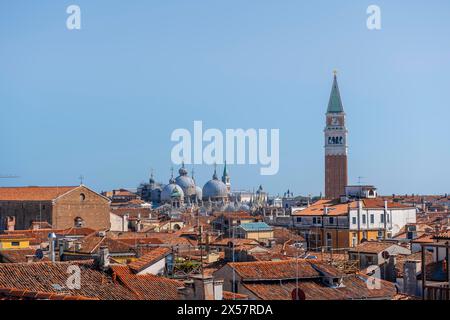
(82, 196)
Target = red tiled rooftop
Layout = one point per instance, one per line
(372, 247)
(18, 256)
(149, 258)
(33, 193)
(16, 294)
(274, 270)
(336, 208)
(227, 295)
(51, 278)
(355, 287)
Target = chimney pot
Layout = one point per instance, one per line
(103, 257)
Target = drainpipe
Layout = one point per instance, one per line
(385, 217)
(424, 272)
(359, 220)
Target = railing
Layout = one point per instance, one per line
(437, 292)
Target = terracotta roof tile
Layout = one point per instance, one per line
(91, 244)
(33, 193)
(274, 270)
(147, 287)
(51, 278)
(355, 287)
(336, 208)
(227, 295)
(15, 294)
(149, 258)
(18, 256)
(372, 247)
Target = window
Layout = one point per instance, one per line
(319, 220)
(314, 220)
(353, 220)
(372, 218)
(387, 217)
(299, 219)
(364, 219)
(82, 196)
(78, 222)
(15, 244)
(331, 220)
(382, 218)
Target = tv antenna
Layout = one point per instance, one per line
(359, 179)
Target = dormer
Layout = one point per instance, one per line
(360, 192)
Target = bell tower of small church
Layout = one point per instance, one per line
(335, 145)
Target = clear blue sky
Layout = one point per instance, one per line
(104, 100)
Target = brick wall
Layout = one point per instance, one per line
(25, 213)
(335, 175)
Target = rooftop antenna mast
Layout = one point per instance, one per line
(359, 179)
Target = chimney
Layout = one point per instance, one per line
(390, 274)
(103, 258)
(218, 289)
(204, 287)
(30, 258)
(125, 223)
(10, 223)
(51, 246)
(410, 277)
(186, 292)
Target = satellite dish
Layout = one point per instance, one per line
(298, 294)
(385, 255)
(39, 254)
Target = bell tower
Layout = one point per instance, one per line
(335, 145)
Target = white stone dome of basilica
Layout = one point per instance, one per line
(171, 190)
(185, 182)
(215, 189)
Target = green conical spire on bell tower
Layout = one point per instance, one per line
(225, 172)
(335, 103)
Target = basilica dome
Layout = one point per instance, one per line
(170, 191)
(185, 182)
(215, 189)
